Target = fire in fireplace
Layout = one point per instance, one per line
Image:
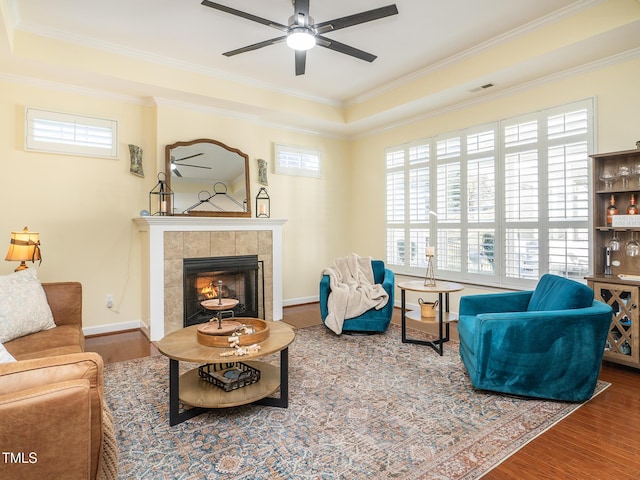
(239, 276)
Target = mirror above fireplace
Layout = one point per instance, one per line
(208, 178)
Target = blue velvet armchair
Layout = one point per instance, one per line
(546, 343)
(372, 321)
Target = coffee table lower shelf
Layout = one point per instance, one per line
(201, 396)
(196, 392)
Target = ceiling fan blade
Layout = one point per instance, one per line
(301, 7)
(346, 49)
(190, 156)
(195, 166)
(301, 61)
(356, 19)
(255, 46)
(246, 15)
(177, 172)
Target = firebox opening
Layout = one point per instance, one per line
(239, 276)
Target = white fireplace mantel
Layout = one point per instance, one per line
(153, 273)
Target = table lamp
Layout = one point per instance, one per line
(24, 246)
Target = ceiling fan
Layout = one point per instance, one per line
(174, 166)
(302, 34)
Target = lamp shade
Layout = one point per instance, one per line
(24, 246)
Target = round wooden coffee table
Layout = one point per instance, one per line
(190, 389)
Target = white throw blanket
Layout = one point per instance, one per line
(353, 290)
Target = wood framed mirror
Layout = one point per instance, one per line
(208, 178)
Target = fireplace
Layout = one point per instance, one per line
(167, 241)
(239, 277)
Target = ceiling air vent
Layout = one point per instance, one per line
(482, 87)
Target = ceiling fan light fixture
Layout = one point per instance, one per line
(301, 38)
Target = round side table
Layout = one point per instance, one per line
(444, 316)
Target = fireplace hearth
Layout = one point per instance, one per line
(239, 275)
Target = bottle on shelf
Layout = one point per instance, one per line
(632, 209)
(612, 210)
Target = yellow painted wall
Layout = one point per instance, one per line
(83, 207)
(617, 112)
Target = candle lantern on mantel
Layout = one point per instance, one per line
(430, 277)
(161, 197)
(263, 204)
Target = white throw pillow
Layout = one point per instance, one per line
(5, 357)
(23, 305)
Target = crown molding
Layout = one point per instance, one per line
(487, 97)
(75, 89)
(248, 117)
(139, 55)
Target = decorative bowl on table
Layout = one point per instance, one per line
(211, 335)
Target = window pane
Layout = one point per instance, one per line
(481, 142)
(395, 246)
(419, 241)
(449, 191)
(480, 256)
(419, 195)
(71, 133)
(521, 253)
(395, 158)
(449, 250)
(419, 154)
(568, 182)
(481, 190)
(565, 124)
(395, 197)
(449, 148)
(57, 132)
(569, 252)
(521, 191)
(299, 161)
(521, 134)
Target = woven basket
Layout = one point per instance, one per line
(427, 309)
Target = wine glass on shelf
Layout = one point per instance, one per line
(632, 248)
(636, 172)
(608, 176)
(614, 243)
(624, 173)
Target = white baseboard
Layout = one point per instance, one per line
(300, 301)
(138, 324)
(112, 328)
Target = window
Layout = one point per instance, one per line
(56, 132)
(297, 161)
(502, 203)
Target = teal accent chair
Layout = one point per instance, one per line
(372, 321)
(546, 343)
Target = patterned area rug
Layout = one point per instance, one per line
(360, 407)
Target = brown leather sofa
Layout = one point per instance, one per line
(53, 419)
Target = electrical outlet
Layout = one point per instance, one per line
(109, 301)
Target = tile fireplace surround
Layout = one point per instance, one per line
(168, 240)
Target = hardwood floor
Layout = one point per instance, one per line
(598, 441)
